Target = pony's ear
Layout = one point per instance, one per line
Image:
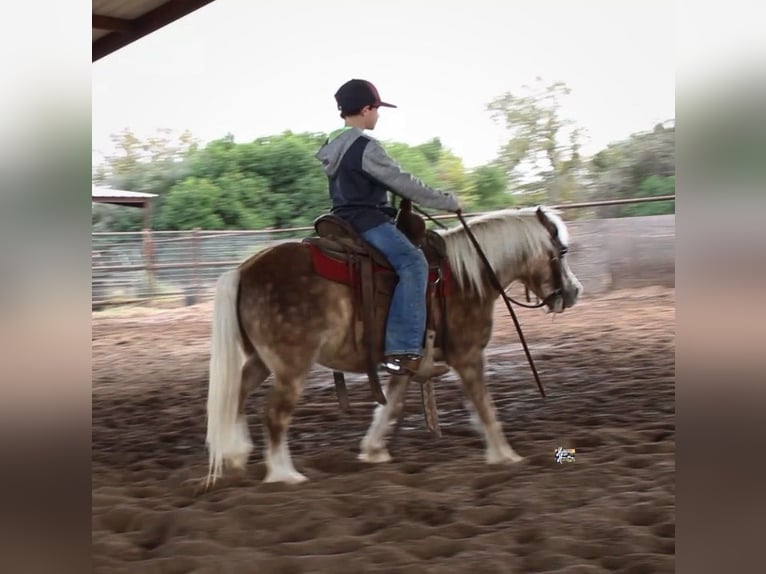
(547, 223)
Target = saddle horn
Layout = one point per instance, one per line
(409, 223)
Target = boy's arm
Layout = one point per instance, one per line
(379, 165)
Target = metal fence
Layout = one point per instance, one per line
(176, 268)
(165, 266)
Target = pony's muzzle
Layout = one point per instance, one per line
(571, 296)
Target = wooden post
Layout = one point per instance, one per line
(148, 214)
(196, 286)
(149, 261)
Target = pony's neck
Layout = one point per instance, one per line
(510, 239)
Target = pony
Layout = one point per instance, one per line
(274, 314)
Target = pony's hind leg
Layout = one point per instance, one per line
(483, 412)
(284, 395)
(373, 446)
(254, 373)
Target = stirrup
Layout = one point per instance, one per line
(401, 364)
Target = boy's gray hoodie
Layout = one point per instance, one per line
(361, 173)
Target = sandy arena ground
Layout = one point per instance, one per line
(607, 366)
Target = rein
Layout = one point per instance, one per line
(496, 284)
(519, 303)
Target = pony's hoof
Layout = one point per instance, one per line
(238, 462)
(200, 486)
(375, 457)
(293, 477)
(507, 457)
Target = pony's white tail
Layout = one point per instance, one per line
(228, 438)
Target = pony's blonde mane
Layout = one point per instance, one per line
(507, 237)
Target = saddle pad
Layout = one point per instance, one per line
(340, 271)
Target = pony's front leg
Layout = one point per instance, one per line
(498, 450)
(373, 446)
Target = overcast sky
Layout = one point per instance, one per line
(256, 68)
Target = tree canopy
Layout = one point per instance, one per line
(276, 182)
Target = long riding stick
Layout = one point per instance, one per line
(496, 285)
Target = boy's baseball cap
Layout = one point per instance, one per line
(356, 94)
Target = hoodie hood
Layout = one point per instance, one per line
(335, 148)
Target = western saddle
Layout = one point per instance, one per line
(340, 254)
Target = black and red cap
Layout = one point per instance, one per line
(356, 94)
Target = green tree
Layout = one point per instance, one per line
(542, 154)
(433, 164)
(192, 203)
(153, 165)
(490, 188)
(238, 204)
(297, 187)
(413, 160)
(653, 186)
(642, 165)
(216, 159)
(432, 150)
(272, 182)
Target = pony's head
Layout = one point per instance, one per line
(547, 274)
(528, 245)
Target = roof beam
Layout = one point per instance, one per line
(113, 24)
(151, 21)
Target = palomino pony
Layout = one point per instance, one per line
(284, 317)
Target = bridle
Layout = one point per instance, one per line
(557, 274)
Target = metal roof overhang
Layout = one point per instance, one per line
(117, 23)
(142, 203)
(126, 199)
(121, 197)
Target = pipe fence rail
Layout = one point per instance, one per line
(176, 268)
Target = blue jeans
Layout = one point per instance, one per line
(406, 322)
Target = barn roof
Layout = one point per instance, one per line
(117, 23)
(120, 196)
